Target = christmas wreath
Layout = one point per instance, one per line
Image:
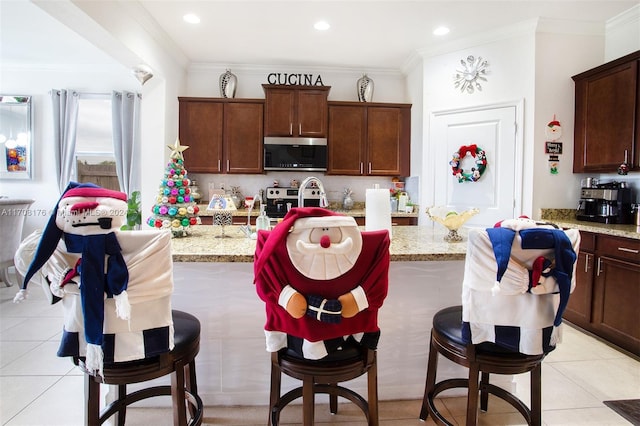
(476, 172)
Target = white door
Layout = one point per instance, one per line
(495, 192)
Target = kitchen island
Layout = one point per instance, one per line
(214, 281)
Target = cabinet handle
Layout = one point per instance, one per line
(628, 250)
(361, 167)
(291, 129)
(299, 129)
(228, 165)
(369, 167)
(219, 164)
(586, 262)
(598, 270)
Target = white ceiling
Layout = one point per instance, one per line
(364, 35)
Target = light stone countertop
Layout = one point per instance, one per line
(408, 243)
(565, 218)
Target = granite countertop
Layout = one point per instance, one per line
(565, 218)
(408, 243)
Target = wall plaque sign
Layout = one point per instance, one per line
(287, 79)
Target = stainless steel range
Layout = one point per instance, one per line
(279, 198)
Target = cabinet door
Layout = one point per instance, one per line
(388, 141)
(606, 113)
(243, 137)
(280, 112)
(200, 127)
(580, 303)
(616, 294)
(578, 309)
(312, 114)
(347, 127)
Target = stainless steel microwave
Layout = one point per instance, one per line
(308, 154)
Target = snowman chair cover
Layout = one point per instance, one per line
(517, 280)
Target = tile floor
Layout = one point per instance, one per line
(37, 388)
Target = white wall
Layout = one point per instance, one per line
(556, 62)
(203, 81)
(510, 79)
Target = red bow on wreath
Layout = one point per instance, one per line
(471, 149)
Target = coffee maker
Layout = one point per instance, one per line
(610, 202)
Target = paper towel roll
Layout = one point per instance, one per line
(377, 210)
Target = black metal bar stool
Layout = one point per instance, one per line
(179, 362)
(481, 360)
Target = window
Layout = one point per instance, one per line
(95, 159)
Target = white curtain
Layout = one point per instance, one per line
(65, 123)
(126, 139)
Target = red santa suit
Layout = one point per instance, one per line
(291, 258)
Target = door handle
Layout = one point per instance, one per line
(598, 270)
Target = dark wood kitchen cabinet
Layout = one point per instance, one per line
(224, 135)
(607, 116)
(608, 292)
(292, 111)
(578, 309)
(369, 139)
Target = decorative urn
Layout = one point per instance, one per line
(228, 82)
(365, 88)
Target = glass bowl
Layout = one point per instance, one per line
(451, 219)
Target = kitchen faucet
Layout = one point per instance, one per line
(323, 195)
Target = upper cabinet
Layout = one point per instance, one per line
(224, 135)
(369, 139)
(296, 111)
(607, 116)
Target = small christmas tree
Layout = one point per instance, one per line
(175, 209)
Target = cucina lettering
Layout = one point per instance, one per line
(286, 79)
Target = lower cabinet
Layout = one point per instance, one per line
(606, 300)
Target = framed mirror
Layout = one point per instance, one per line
(15, 137)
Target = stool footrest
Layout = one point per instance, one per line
(334, 390)
(131, 398)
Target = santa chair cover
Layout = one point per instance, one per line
(274, 270)
(149, 331)
(498, 305)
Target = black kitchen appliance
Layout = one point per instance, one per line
(277, 200)
(610, 202)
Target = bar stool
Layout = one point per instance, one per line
(485, 358)
(179, 362)
(323, 376)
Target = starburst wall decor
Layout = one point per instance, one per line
(472, 72)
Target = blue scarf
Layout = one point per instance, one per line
(538, 238)
(94, 281)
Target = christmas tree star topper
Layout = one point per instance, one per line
(176, 150)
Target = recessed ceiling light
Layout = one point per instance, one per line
(191, 18)
(441, 31)
(321, 26)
